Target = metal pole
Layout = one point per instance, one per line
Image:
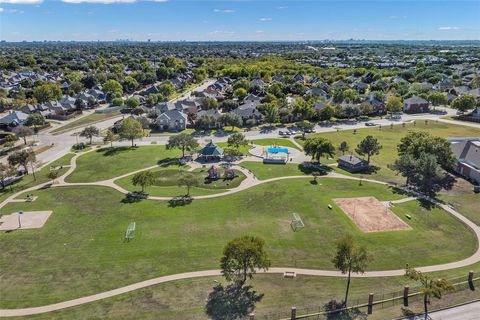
(19, 220)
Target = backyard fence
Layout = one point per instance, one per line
(365, 304)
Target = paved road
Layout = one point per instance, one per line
(470, 311)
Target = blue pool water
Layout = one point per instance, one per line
(277, 150)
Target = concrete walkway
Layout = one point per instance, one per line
(249, 182)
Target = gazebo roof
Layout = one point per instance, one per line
(211, 150)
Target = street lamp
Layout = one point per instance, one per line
(19, 221)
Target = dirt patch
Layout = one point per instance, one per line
(371, 215)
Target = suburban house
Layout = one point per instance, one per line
(416, 104)
(249, 113)
(13, 119)
(213, 113)
(172, 120)
(211, 151)
(351, 163)
(467, 152)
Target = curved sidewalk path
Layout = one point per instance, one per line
(250, 181)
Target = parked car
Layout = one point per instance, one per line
(370, 124)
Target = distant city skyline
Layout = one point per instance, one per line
(269, 20)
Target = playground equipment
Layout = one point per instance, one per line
(297, 223)
(129, 234)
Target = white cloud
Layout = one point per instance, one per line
(282, 7)
(221, 33)
(449, 28)
(3, 10)
(265, 19)
(99, 1)
(259, 31)
(224, 10)
(21, 1)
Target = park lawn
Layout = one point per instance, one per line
(242, 149)
(389, 139)
(264, 171)
(276, 142)
(166, 184)
(84, 121)
(108, 163)
(81, 251)
(41, 177)
(463, 199)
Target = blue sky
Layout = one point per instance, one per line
(238, 20)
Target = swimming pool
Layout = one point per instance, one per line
(277, 150)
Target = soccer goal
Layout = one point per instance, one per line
(297, 223)
(129, 234)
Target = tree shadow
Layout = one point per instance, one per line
(314, 168)
(168, 162)
(335, 312)
(180, 201)
(134, 197)
(113, 151)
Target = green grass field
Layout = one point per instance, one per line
(108, 163)
(389, 139)
(264, 171)
(90, 119)
(166, 183)
(81, 251)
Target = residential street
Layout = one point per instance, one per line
(470, 311)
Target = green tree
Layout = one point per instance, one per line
(6, 171)
(209, 103)
(343, 147)
(437, 98)
(90, 132)
(236, 140)
(242, 257)
(394, 104)
(143, 179)
(327, 113)
(35, 119)
(22, 132)
(317, 147)
(304, 126)
(369, 147)
(349, 258)
(231, 119)
(113, 88)
(429, 287)
(205, 122)
(240, 93)
(130, 129)
(130, 84)
(132, 102)
(272, 114)
(182, 141)
(167, 89)
(53, 174)
(23, 158)
(47, 91)
(464, 103)
(188, 180)
(110, 136)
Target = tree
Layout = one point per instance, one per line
(240, 93)
(304, 126)
(110, 136)
(205, 122)
(23, 132)
(166, 89)
(90, 132)
(369, 147)
(415, 143)
(188, 180)
(437, 98)
(241, 257)
(35, 119)
(53, 174)
(317, 147)
(430, 287)
(343, 147)
(394, 104)
(209, 103)
(231, 119)
(236, 140)
(130, 84)
(132, 102)
(6, 171)
(349, 258)
(327, 113)
(47, 91)
(130, 129)
(113, 88)
(271, 114)
(182, 141)
(143, 179)
(23, 158)
(303, 109)
(231, 302)
(464, 103)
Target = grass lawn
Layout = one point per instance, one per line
(107, 163)
(264, 171)
(276, 141)
(389, 139)
(90, 119)
(166, 183)
(241, 149)
(81, 251)
(28, 180)
(463, 200)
